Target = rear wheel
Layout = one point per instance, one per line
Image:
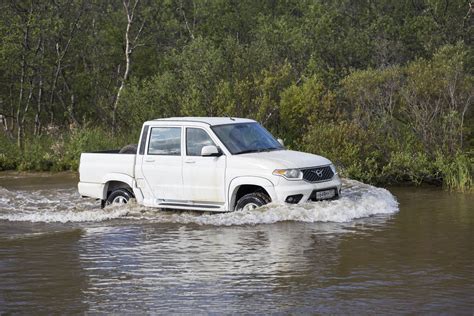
(251, 201)
(118, 197)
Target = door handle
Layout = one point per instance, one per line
(149, 160)
(190, 161)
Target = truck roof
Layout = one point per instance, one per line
(207, 120)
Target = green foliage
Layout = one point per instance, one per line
(302, 104)
(383, 88)
(58, 152)
(347, 145)
(408, 167)
(457, 171)
(9, 153)
(69, 149)
(36, 155)
(416, 115)
(149, 99)
(202, 67)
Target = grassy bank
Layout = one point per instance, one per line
(57, 152)
(348, 147)
(368, 156)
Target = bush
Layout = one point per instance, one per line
(365, 155)
(457, 172)
(9, 153)
(36, 155)
(405, 166)
(348, 146)
(58, 152)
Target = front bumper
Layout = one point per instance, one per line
(286, 188)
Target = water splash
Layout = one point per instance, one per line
(358, 200)
(53, 205)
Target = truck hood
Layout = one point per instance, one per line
(283, 159)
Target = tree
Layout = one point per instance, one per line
(131, 43)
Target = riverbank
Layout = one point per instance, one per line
(355, 160)
(58, 151)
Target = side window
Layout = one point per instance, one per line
(143, 140)
(165, 141)
(196, 138)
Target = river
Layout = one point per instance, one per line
(401, 250)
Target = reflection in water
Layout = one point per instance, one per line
(60, 254)
(203, 269)
(42, 272)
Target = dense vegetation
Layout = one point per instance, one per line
(383, 88)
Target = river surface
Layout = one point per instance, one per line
(401, 250)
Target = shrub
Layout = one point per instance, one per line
(457, 172)
(348, 146)
(58, 152)
(8, 153)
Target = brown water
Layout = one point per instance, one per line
(361, 254)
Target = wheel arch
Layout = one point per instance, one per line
(117, 181)
(243, 185)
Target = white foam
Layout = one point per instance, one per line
(358, 200)
(65, 216)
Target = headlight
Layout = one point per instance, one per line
(290, 174)
(333, 168)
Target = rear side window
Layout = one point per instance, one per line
(143, 140)
(165, 141)
(196, 139)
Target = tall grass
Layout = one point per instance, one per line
(57, 152)
(346, 145)
(365, 155)
(457, 172)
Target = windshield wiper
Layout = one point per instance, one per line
(257, 150)
(248, 151)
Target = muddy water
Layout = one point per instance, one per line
(372, 251)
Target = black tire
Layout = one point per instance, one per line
(119, 196)
(255, 200)
(129, 149)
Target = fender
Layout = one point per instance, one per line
(120, 177)
(249, 180)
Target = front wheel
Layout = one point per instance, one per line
(251, 201)
(118, 197)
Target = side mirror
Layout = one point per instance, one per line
(209, 151)
(281, 142)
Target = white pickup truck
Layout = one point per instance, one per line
(209, 164)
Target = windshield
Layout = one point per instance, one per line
(246, 138)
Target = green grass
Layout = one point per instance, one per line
(354, 151)
(57, 152)
(365, 155)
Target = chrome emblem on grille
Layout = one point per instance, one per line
(318, 172)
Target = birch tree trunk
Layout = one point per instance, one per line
(37, 130)
(19, 120)
(129, 47)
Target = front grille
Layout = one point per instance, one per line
(318, 174)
